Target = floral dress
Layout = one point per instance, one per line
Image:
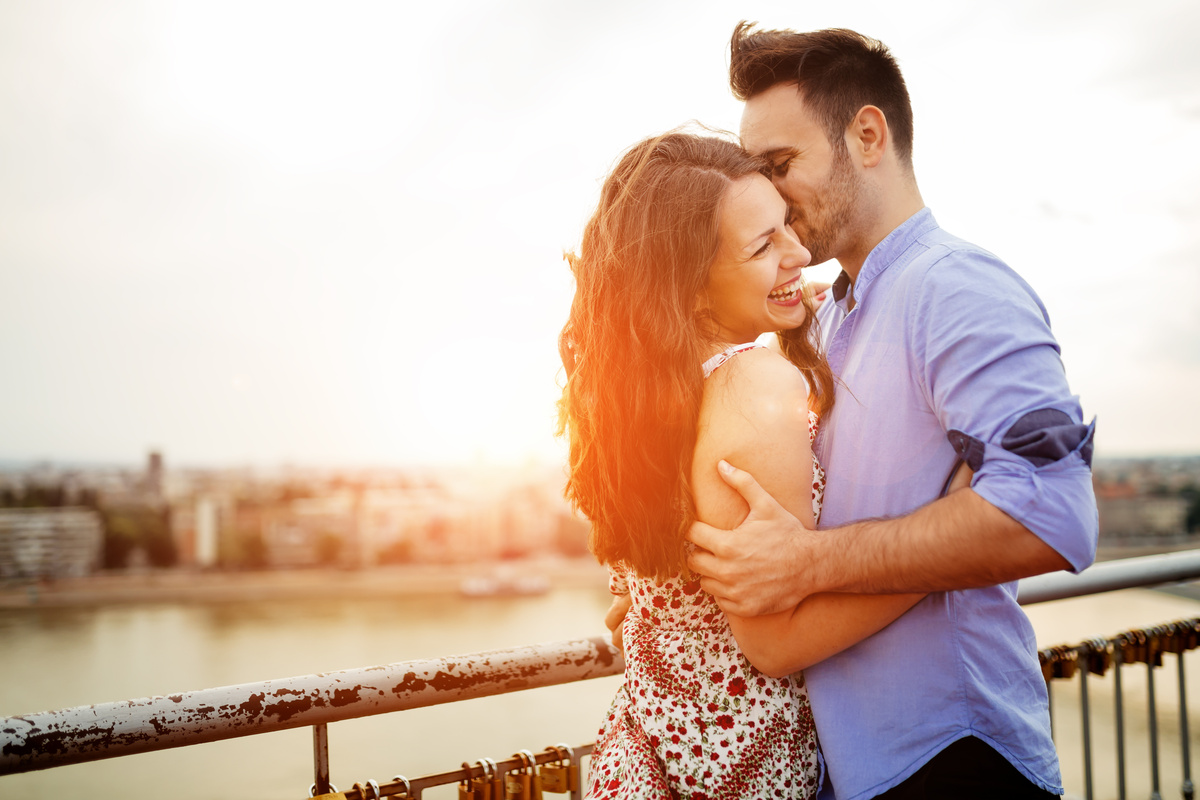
(693, 718)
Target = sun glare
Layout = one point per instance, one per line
(309, 87)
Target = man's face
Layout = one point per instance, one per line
(815, 178)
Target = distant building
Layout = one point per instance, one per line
(1133, 519)
(196, 526)
(49, 542)
(154, 474)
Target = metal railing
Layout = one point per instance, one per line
(108, 730)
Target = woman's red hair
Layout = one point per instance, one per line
(634, 343)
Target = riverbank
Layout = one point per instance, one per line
(201, 586)
(197, 586)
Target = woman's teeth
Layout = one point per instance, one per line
(786, 293)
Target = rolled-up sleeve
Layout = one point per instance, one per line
(991, 371)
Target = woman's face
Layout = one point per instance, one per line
(754, 285)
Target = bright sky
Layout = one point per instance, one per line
(332, 233)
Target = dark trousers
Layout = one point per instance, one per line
(967, 770)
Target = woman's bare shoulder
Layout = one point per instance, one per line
(759, 385)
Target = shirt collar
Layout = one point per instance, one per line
(886, 253)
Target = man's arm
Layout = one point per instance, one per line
(988, 365)
(770, 562)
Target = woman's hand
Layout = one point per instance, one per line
(820, 290)
(616, 616)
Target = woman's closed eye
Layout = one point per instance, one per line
(762, 251)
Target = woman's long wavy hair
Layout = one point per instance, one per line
(635, 340)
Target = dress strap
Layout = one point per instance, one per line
(710, 366)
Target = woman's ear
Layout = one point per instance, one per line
(868, 136)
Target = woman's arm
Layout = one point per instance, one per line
(755, 411)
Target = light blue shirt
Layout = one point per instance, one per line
(945, 337)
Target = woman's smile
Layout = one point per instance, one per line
(789, 294)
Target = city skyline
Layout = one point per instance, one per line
(263, 234)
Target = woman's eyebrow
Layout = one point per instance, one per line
(765, 234)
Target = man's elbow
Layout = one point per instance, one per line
(1036, 557)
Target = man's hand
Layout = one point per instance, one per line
(615, 616)
(760, 567)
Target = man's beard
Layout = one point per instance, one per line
(828, 217)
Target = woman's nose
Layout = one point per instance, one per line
(797, 255)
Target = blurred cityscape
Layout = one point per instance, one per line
(71, 522)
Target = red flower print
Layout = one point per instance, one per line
(725, 721)
(737, 687)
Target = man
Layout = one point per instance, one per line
(942, 353)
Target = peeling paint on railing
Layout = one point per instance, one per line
(107, 730)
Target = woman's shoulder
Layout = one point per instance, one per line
(759, 385)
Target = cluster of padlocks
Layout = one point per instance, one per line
(526, 782)
(1144, 646)
(525, 776)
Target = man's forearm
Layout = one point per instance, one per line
(959, 542)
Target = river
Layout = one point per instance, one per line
(55, 658)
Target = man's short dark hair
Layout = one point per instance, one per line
(838, 71)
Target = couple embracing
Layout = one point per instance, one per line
(815, 546)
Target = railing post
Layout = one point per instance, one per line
(1188, 790)
(1153, 725)
(321, 758)
(576, 761)
(1119, 703)
(1082, 659)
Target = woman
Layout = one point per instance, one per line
(688, 259)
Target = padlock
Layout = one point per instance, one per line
(476, 787)
(554, 774)
(1134, 647)
(496, 779)
(408, 793)
(1065, 662)
(517, 781)
(1154, 643)
(1173, 641)
(1137, 647)
(572, 767)
(535, 777)
(1098, 657)
(1046, 663)
(369, 791)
